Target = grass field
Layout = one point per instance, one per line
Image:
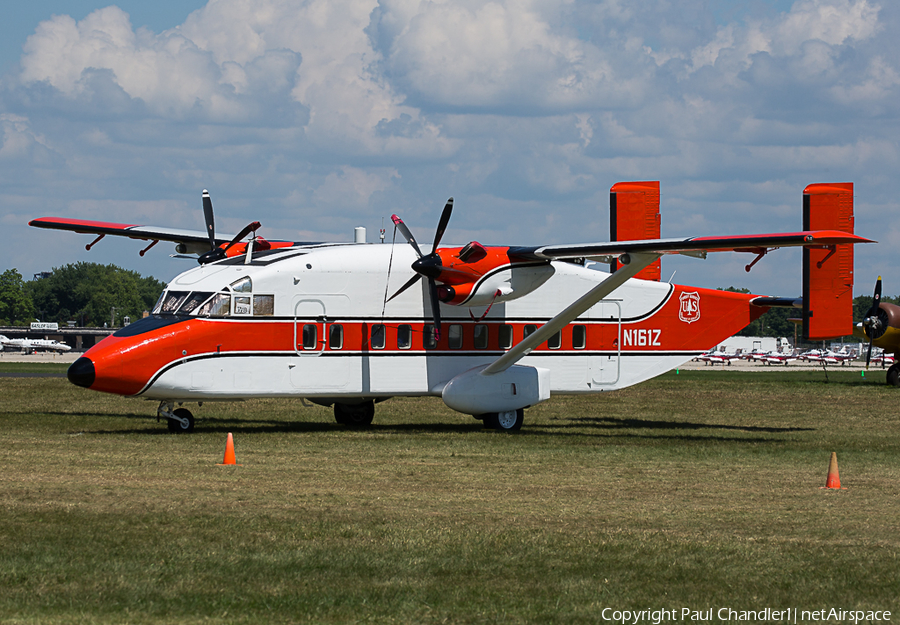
(698, 490)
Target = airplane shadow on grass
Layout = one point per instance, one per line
(613, 427)
(604, 427)
(270, 426)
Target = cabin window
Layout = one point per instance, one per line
(529, 330)
(506, 337)
(554, 341)
(173, 301)
(579, 337)
(191, 303)
(263, 305)
(404, 336)
(481, 336)
(377, 341)
(455, 336)
(244, 285)
(336, 336)
(428, 341)
(158, 305)
(242, 304)
(218, 306)
(310, 338)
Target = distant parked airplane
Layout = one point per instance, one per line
(29, 346)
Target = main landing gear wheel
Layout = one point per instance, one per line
(180, 427)
(355, 415)
(893, 374)
(508, 421)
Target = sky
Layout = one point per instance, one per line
(314, 117)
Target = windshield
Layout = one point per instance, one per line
(236, 299)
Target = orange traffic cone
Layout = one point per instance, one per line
(229, 452)
(833, 480)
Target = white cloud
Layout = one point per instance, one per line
(473, 54)
(317, 115)
(828, 22)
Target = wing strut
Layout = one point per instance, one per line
(637, 261)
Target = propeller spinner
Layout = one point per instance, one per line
(428, 266)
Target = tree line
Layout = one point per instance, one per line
(87, 293)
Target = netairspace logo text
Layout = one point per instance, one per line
(787, 615)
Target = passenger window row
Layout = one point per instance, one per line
(455, 336)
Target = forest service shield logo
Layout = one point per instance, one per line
(690, 307)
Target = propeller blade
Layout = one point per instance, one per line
(406, 234)
(876, 299)
(218, 253)
(435, 309)
(411, 282)
(871, 319)
(209, 219)
(253, 227)
(442, 224)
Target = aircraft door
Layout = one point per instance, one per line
(310, 323)
(606, 350)
(317, 365)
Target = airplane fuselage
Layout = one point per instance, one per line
(313, 323)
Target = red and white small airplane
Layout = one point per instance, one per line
(830, 357)
(491, 330)
(779, 358)
(720, 358)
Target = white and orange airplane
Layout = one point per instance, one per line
(492, 330)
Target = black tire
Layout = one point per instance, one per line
(893, 375)
(510, 421)
(177, 427)
(355, 415)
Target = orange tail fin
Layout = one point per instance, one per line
(828, 273)
(633, 215)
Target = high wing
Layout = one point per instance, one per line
(132, 231)
(206, 245)
(643, 253)
(698, 246)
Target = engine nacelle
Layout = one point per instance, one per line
(191, 248)
(520, 386)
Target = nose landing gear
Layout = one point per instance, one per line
(180, 420)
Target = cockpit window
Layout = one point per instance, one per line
(244, 285)
(173, 300)
(162, 296)
(218, 306)
(242, 304)
(263, 305)
(209, 304)
(191, 303)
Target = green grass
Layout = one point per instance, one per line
(695, 490)
(34, 367)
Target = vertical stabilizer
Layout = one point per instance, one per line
(828, 273)
(634, 215)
